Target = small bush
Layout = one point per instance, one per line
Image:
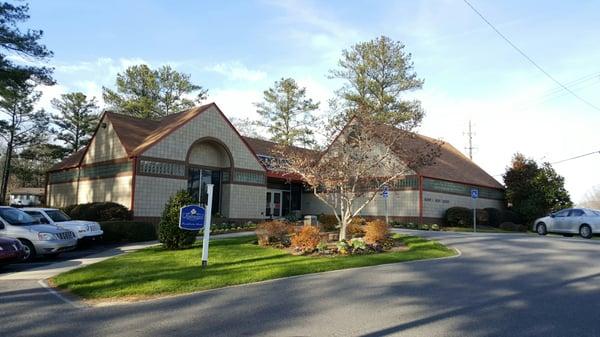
(307, 240)
(435, 227)
(424, 227)
(358, 244)
(275, 231)
(342, 247)
(328, 222)
(68, 210)
(459, 217)
(376, 231)
(128, 231)
(99, 211)
(512, 227)
(483, 217)
(353, 229)
(169, 233)
(322, 247)
(411, 225)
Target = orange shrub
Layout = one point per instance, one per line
(355, 228)
(376, 231)
(272, 232)
(307, 239)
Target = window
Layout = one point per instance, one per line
(577, 212)
(249, 177)
(198, 179)
(37, 216)
(16, 217)
(57, 216)
(162, 168)
(562, 214)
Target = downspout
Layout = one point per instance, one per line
(420, 199)
(133, 178)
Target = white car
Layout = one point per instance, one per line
(37, 239)
(84, 230)
(582, 221)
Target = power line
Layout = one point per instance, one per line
(564, 160)
(530, 59)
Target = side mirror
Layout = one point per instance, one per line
(552, 215)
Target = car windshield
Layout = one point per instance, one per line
(16, 217)
(57, 216)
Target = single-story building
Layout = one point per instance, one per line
(26, 196)
(140, 163)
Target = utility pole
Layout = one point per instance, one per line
(470, 135)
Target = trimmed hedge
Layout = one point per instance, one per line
(98, 211)
(459, 217)
(128, 231)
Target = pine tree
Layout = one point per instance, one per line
(287, 113)
(76, 120)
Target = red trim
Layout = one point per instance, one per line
(464, 183)
(133, 176)
(420, 199)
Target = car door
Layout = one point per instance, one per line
(574, 220)
(559, 220)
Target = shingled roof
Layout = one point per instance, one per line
(137, 135)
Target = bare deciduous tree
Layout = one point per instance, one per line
(366, 156)
(592, 198)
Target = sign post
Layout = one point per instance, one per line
(385, 195)
(474, 196)
(206, 234)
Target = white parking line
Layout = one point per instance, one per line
(61, 297)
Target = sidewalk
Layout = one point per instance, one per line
(51, 270)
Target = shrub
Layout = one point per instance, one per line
(128, 231)
(169, 233)
(494, 216)
(424, 227)
(68, 210)
(322, 247)
(99, 211)
(435, 227)
(328, 222)
(275, 231)
(512, 227)
(307, 240)
(342, 247)
(358, 244)
(482, 215)
(353, 229)
(376, 231)
(459, 217)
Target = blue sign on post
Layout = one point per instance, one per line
(386, 191)
(191, 217)
(474, 193)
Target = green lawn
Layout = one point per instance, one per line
(154, 271)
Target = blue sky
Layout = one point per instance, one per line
(236, 49)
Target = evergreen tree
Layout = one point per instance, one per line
(146, 93)
(534, 191)
(287, 113)
(22, 127)
(14, 42)
(77, 119)
(377, 73)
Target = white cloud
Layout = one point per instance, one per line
(237, 103)
(237, 71)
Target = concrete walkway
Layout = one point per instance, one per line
(53, 269)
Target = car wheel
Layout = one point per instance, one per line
(29, 251)
(541, 229)
(585, 231)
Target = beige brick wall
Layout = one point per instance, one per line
(209, 123)
(435, 204)
(152, 193)
(225, 199)
(61, 195)
(116, 189)
(105, 145)
(246, 202)
(209, 154)
(400, 203)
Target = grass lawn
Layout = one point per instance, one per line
(154, 271)
(480, 229)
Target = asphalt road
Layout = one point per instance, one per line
(501, 285)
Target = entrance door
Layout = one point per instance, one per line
(273, 208)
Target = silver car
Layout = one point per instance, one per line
(582, 221)
(38, 239)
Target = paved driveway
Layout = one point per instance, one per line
(501, 285)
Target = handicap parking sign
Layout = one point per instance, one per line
(385, 192)
(474, 193)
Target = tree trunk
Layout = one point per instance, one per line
(6, 173)
(343, 226)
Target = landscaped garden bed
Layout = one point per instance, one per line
(155, 272)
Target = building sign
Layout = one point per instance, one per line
(191, 217)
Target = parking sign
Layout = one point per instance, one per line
(474, 193)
